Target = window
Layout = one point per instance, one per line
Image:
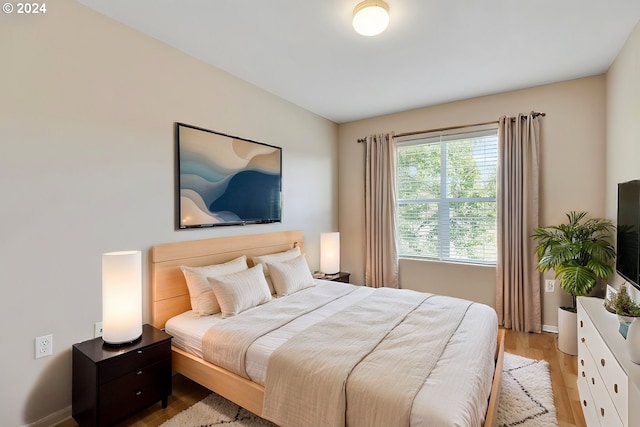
(447, 195)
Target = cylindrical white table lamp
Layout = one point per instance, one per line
(121, 297)
(330, 253)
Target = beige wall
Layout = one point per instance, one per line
(623, 123)
(439, 280)
(623, 119)
(87, 108)
(572, 175)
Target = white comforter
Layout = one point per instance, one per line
(455, 392)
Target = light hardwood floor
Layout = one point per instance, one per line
(535, 346)
(563, 369)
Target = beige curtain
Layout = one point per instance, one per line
(518, 284)
(381, 264)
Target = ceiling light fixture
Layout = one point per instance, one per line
(371, 17)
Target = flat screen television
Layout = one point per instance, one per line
(225, 180)
(627, 253)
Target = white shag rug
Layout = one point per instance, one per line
(526, 400)
(215, 410)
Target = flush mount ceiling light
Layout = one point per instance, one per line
(371, 17)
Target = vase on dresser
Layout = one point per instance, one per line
(624, 321)
(633, 340)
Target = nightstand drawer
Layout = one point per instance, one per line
(128, 403)
(337, 277)
(132, 361)
(155, 375)
(344, 278)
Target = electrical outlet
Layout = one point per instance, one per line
(44, 346)
(549, 285)
(97, 330)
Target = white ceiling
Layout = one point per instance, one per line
(434, 51)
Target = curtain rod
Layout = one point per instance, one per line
(534, 114)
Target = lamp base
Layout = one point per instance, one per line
(122, 344)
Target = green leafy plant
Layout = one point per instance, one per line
(622, 304)
(580, 252)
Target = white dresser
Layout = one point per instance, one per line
(608, 382)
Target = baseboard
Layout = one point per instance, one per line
(53, 419)
(549, 328)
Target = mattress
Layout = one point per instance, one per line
(454, 394)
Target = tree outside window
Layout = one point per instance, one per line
(447, 196)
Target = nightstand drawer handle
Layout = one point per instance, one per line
(602, 411)
(139, 351)
(615, 388)
(582, 362)
(138, 393)
(584, 402)
(582, 339)
(602, 362)
(139, 372)
(593, 380)
(581, 324)
(583, 374)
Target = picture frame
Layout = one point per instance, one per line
(224, 180)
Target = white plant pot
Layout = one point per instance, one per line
(625, 319)
(633, 340)
(568, 332)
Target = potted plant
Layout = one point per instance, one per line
(580, 252)
(628, 311)
(622, 305)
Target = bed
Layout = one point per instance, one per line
(171, 303)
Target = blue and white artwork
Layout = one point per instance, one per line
(226, 180)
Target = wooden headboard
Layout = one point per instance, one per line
(169, 293)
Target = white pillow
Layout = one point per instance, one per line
(240, 291)
(275, 257)
(290, 276)
(203, 300)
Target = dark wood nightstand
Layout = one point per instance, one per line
(338, 277)
(111, 383)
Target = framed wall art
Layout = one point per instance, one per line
(225, 180)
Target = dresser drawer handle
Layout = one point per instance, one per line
(139, 372)
(582, 339)
(581, 324)
(602, 411)
(584, 402)
(593, 380)
(582, 362)
(615, 388)
(138, 393)
(583, 374)
(602, 362)
(139, 351)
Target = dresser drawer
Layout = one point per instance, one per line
(614, 379)
(587, 370)
(586, 401)
(133, 361)
(605, 409)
